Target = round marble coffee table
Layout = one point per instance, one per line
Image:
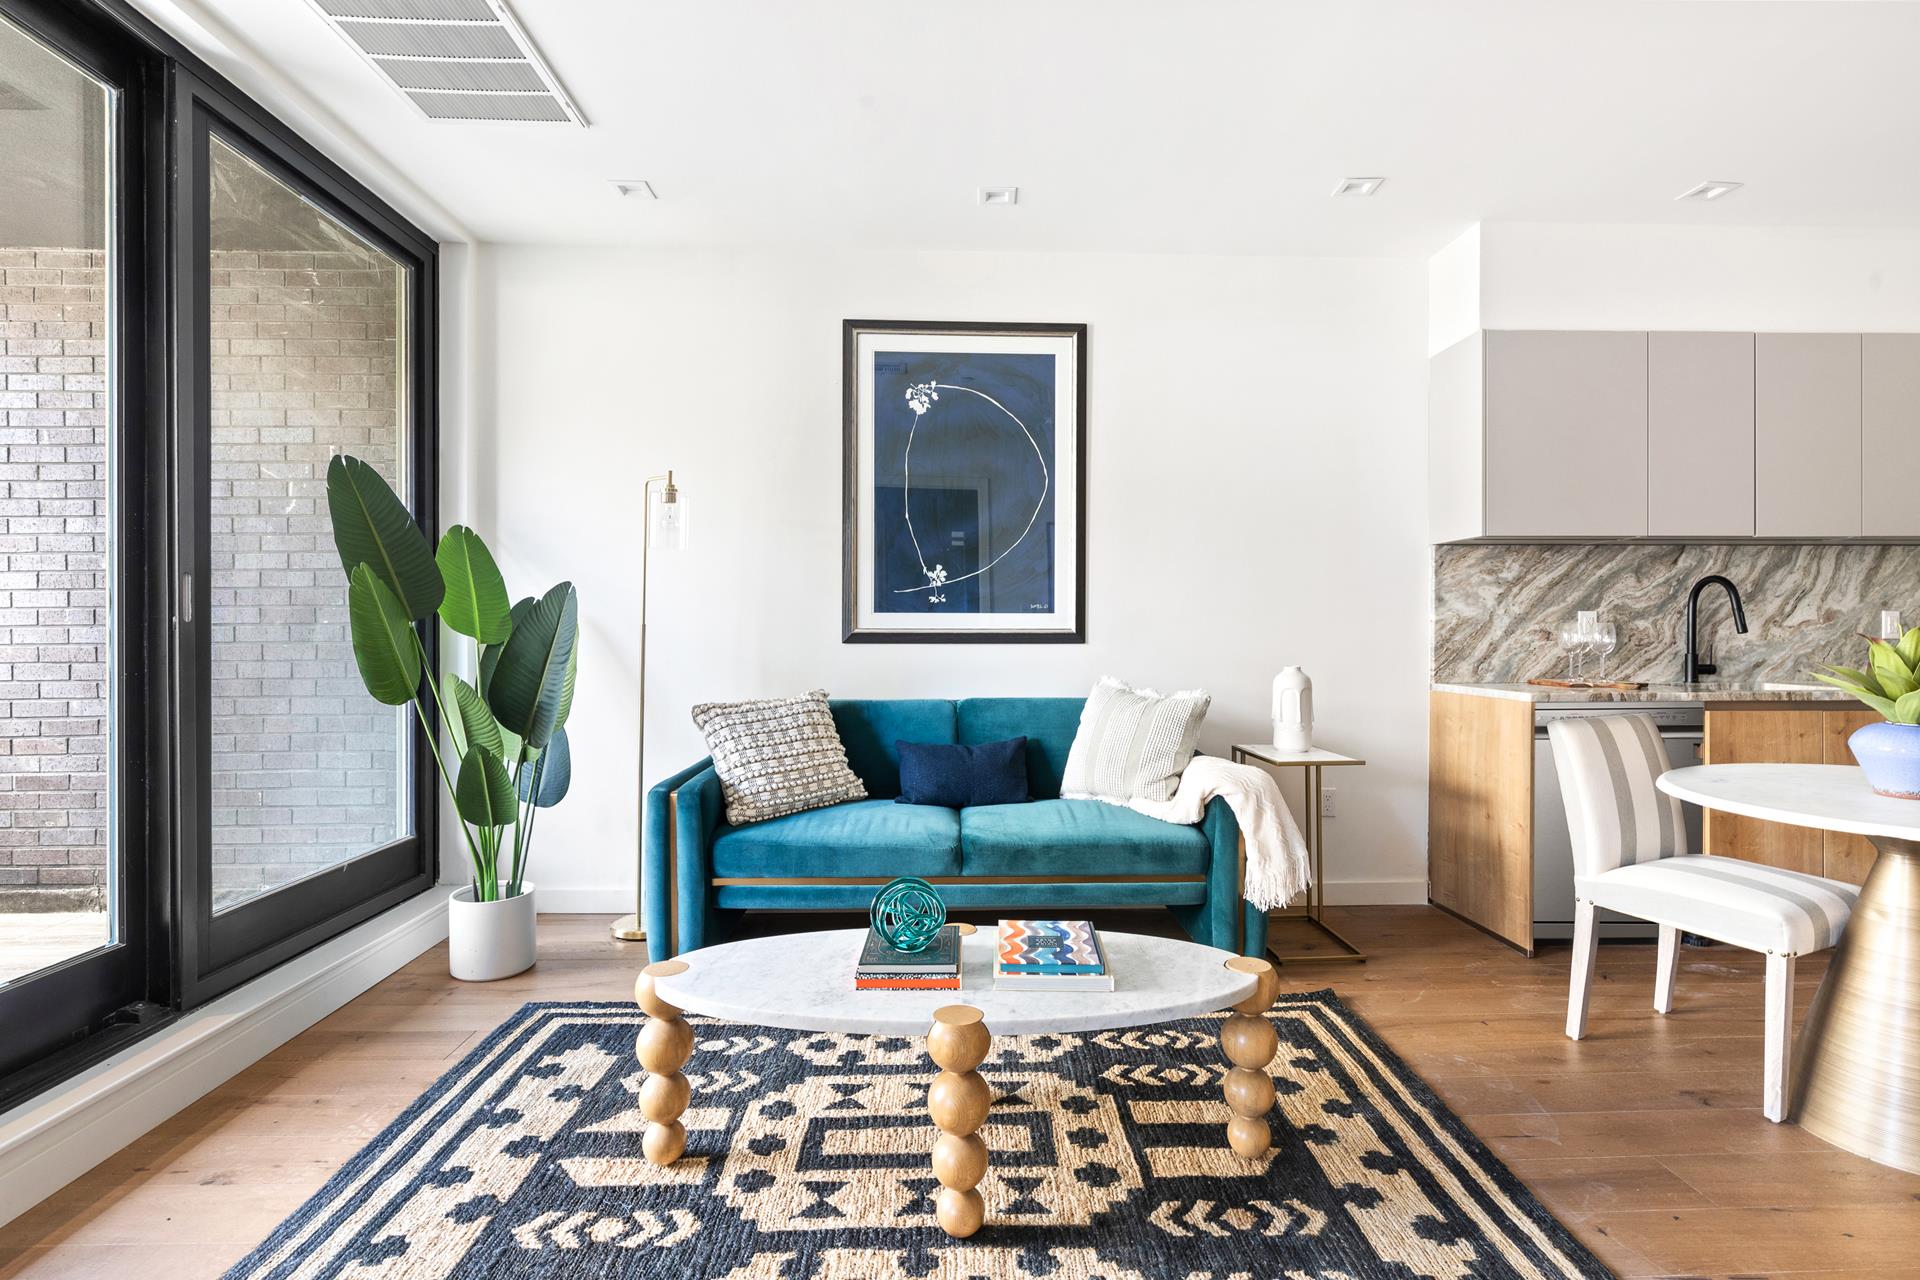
(1856, 1077)
(804, 982)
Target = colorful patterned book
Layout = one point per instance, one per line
(905, 982)
(1049, 947)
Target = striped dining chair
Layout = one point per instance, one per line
(1630, 855)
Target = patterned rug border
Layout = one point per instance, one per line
(528, 1015)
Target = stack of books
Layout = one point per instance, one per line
(1051, 955)
(882, 967)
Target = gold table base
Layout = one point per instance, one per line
(1314, 910)
(1856, 1078)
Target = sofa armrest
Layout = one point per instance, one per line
(1236, 926)
(672, 844)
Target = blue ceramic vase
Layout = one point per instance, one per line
(1889, 754)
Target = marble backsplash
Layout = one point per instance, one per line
(1497, 609)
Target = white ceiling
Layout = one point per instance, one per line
(1169, 125)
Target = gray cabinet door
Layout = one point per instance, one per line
(1806, 417)
(1889, 430)
(1700, 435)
(1566, 449)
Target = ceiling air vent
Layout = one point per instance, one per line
(455, 59)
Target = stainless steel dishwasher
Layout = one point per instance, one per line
(1682, 725)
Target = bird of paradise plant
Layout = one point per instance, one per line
(508, 727)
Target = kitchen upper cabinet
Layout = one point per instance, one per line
(1889, 426)
(1566, 434)
(1806, 430)
(1541, 434)
(1700, 435)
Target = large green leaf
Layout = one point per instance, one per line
(1880, 703)
(545, 781)
(490, 653)
(476, 599)
(383, 643)
(1905, 711)
(532, 684)
(470, 720)
(483, 794)
(1894, 675)
(1909, 647)
(372, 526)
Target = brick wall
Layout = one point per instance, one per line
(304, 761)
(53, 564)
(305, 764)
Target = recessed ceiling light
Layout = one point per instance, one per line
(999, 195)
(1357, 186)
(1711, 189)
(634, 187)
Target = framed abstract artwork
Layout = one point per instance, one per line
(964, 516)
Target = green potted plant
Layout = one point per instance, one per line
(1888, 752)
(507, 728)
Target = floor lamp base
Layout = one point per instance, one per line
(629, 929)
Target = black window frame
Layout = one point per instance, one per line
(175, 954)
(218, 952)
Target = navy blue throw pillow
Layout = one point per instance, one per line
(952, 776)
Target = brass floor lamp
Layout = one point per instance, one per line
(666, 524)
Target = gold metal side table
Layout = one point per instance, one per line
(1310, 762)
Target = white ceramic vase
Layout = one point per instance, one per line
(487, 941)
(1292, 710)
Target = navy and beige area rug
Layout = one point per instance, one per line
(807, 1160)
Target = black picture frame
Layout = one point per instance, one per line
(852, 532)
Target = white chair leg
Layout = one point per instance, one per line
(1583, 913)
(1779, 1036)
(1664, 967)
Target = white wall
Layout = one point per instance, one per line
(1256, 471)
(1582, 276)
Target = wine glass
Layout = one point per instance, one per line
(1573, 643)
(1605, 641)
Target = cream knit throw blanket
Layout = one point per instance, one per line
(1277, 866)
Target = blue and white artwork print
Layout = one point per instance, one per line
(966, 506)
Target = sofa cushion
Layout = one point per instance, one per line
(1075, 838)
(864, 838)
(777, 756)
(1048, 724)
(869, 727)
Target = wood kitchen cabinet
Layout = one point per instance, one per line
(1700, 435)
(1889, 426)
(1806, 435)
(1480, 812)
(1789, 734)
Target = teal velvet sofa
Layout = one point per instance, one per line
(1049, 855)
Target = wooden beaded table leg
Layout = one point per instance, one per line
(957, 1100)
(1249, 1041)
(664, 1046)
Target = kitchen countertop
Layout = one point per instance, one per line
(1706, 691)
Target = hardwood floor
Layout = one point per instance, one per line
(1646, 1138)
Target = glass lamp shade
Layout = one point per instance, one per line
(667, 519)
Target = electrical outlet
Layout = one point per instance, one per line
(1326, 802)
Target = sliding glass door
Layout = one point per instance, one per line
(74, 851)
(310, 334)
(198, 311)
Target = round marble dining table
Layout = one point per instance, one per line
(1856, 1075)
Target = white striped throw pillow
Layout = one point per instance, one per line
(1132, 744)
(777, 756)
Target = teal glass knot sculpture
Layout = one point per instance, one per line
(908, 914)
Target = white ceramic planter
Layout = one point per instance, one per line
(487, 941)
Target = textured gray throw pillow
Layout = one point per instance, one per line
(1132, 744)
(777, 756)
